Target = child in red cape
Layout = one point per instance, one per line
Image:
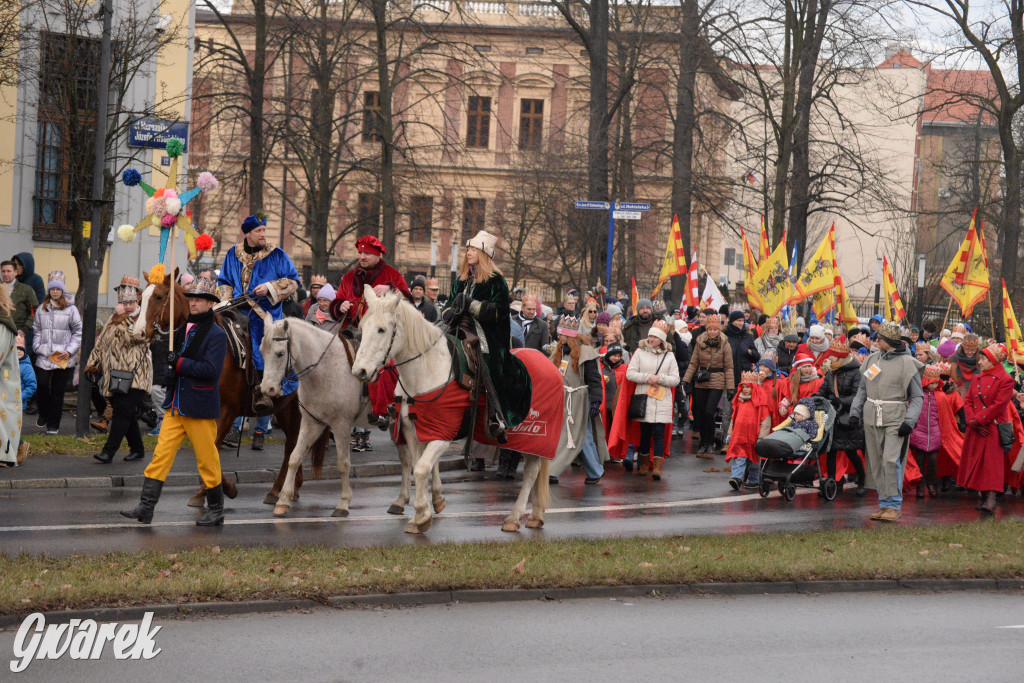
(805, 380)
(775, 389)
(750, 421)
(612, 363)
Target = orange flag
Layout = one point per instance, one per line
(634, 296)
(894, 311)
(765, 249)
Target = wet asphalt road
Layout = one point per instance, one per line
(843, 637)
(693, 498)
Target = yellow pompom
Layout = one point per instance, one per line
(126, 233)
(157, 273)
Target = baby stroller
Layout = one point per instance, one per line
(802, 467)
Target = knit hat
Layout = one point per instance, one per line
(368, 244)
(839, 348)
(484, 241)
(791, 338)
(802, 359)
(569, 326)
(612, 310)
(947, 348)
(185, 279)
(603, 318)
(995, 353)
(418, 282)
(613, 348)
(816, 331)
(735, 315)
(769, 365)
(800, 323)
(56, 280)
(748, 377)
(970, 342)
(326, 292)
(253, 222)
(644, 302)
(932, 373)
(318, 280)
(202, 289)
(890, 332)
(713, 321)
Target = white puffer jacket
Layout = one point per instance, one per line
(56, 329)
(642, 365)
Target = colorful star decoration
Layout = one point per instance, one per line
(166, 206)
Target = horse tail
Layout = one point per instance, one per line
(541, 488)
(319, 453)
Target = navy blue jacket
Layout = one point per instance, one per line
(198, 381)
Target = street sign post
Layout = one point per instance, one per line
(626, 211)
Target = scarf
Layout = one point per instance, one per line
(367, 276)
(838, 362)
(818, 348)
(321, 315)
(809, 378)
(203, 322)
(712, 343)
(251, 250)
(771, 340)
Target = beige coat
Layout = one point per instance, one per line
(642, 365)
(118, 349)
(718, 359)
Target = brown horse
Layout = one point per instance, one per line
(235, 392)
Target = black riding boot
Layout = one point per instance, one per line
(215, 507)
(143, 512)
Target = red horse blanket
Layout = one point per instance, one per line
(438, 415)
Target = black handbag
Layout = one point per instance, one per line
(702, 375)
(638, 402)
(1007, 437)
(120, 381)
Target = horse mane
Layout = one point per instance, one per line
(421, 334)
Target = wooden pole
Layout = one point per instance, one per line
(991, 316)
(946, 317)
(170, 334)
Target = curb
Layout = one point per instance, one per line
(263, 476)
(518, 595)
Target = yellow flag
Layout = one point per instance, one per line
(749, 268)
(772, 286)
(845, 312)
(675, 256)
(1014, 337)
(819, 272)
(765, 249)
(894, 311)
(967, 278)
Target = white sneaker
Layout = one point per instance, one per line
(53, 432)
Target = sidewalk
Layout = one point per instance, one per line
(242, 466)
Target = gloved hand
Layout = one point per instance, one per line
(835, 402)
(447, 316)
(729, 393)
(948, 387)
(973, 423)
(854, 422)
(460, 304)
(595, 409)
(905, 429)
(688, 388)
(961, 427)
(982, 429)
(171, 371)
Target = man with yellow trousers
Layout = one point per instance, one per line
(191, 407)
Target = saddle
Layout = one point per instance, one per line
(237, 330)
(465, 348)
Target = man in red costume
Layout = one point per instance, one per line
(348, 306)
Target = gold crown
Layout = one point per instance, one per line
(749, 377)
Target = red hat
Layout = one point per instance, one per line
(802, 359)
(996, 353)
(370, 245)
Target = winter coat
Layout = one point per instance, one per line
(927, 436)
(840, 387)
(717, 358)
(634, 330)
(642, 365)
(117, 348)
(784, 362)
(196, 389)
(25, 301)
(329, 323)
(583, 386)
(983, 463)
(427, 309)
(56, 329)
(682, 350)
(29, 276)
(536, 337)
(744, 353)
(158, 354)
(28, 381)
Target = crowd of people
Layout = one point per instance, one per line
(928, 411)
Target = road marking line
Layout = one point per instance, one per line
(378, 518)
(1017, 626)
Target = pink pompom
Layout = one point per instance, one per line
(206, 182)
(149, 204)
(157, 206)
(170, 193)
(169, 220)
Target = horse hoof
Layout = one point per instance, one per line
(197, 501)
(439, 506)
(414, 528)
(281, 510)
(295, 496)
(396, 509)
(271, 499)
(534, 523)
(338, 512)
(510, 526)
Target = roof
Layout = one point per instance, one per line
(951, 95)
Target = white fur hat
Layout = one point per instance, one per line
(485, 242)
(816, 331)
(656, 331)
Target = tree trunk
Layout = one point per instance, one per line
(389, 209)
(1011, 210)
(597, 136)
(682, 134)
(257, 79)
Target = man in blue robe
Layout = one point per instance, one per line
(267, 276)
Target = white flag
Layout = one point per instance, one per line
(712, 298)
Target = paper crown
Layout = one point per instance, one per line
(202, 288)
(713, 321)
(432, 283)
(127, 281)
(318, 280)
(890, 331)
(933, 372)
(749, 377)
(569, 326)
(996, 353)
(56, 280)
(661, 325)
(970, 342)
(839, 347)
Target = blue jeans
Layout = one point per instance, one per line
(262, 424)
(895, 502)
(591, 460)
(744, 470)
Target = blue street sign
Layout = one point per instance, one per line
(599, 206)
(631, 206)
(155, 133)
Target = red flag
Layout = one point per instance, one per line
(692, 293)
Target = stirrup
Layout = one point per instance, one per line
(497, 431)
(262, 405)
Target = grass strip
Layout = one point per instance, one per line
(31, 583)
(45, 444)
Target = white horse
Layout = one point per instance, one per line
(392, 328)
(329, 397)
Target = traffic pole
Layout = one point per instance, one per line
(611, 245)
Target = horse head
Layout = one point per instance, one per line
(155, 311)
(380, 329)
(275, 349)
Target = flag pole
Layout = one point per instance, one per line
(170, 337)
(946, 317)
(992, 318)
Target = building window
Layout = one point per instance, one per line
(531, 124)
(368, 214)
(68, 96)
(534, 50)
(473, 213)
(482, 48)
(372, 118)
(478, 122)
(421, 216)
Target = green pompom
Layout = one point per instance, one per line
(175, 147)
